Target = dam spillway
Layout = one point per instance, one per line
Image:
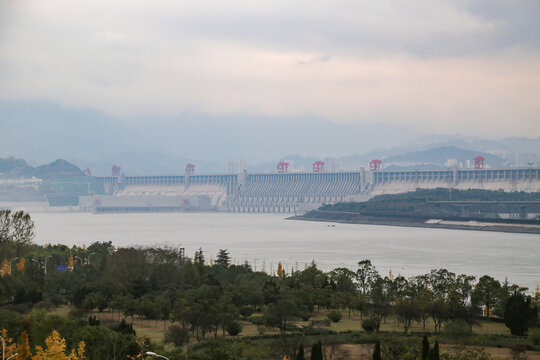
(294, 191)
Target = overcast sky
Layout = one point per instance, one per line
(444, 66)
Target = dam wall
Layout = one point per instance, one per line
(300, 192)
(395, 182)
(292, 192)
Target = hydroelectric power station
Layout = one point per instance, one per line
(290, 192)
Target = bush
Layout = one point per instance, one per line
(77, 314)
(93, 321)
(245, 311)
(257, 320)
(44, 304)
(305, 315)
(534, 337)
(234, 328)
(176, 334)
(57, 300)
(125, 328)
(261, 329)
(520, 313)
(456, 329)
(334, 315)
(368, 325)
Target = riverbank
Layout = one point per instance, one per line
(355, 218)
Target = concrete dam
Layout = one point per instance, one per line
(289, 192)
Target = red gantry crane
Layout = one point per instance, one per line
(116, 170)
(190, 169)
(318, 166)
(479, 162)
(282, 167)
(375, 165)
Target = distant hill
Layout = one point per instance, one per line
(13, 168)
(57, 168)
(440, 157)
(17, 168)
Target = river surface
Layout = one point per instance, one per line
(266, 239)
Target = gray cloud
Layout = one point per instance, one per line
(439, 65)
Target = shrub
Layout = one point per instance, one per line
(257, 320)
(456, 329)
(394, 347)
(334, 315)
(261, 329)
(76, 314)
(176, 334)
(44, 304)
(93, 321)
(245, 311)
(534, 336)
(368, 325)
(57, 300)
(520, 313)
(125, 328)
(305, 315)
(234, 328)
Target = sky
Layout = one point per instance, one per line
(440, 66)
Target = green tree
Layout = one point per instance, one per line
(365, 275)
(425, 347)
(300, 354)
(223, 258)
(406, 311)
(316, 351)
(434, 353)
(380, 302)
(178, 335)
(486, 292)
(377, 351)
(520, 313)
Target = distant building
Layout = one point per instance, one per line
(451, 162)
(236, 166)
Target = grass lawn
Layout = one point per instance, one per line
(354, 323)
(155, 331)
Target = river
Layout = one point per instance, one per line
(266, 239)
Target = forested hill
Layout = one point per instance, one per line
(413, 203)
(16, 168)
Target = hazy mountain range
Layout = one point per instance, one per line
(41, 132)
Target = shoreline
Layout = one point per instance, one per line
(354, 218)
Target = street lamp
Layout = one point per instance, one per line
(3, 347)
(79, 259)
(88, 260)
(39, 263)
(151, 353)
(45, 262)
(10, 261)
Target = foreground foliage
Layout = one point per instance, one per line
(202, 305)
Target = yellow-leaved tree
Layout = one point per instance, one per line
(23, 349)
(21, 264)
(11, 348)
(56, 349)
(143, 347)
(5, 267)
(70, 264)
(280, 270)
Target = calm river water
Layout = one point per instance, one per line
(266, 239)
